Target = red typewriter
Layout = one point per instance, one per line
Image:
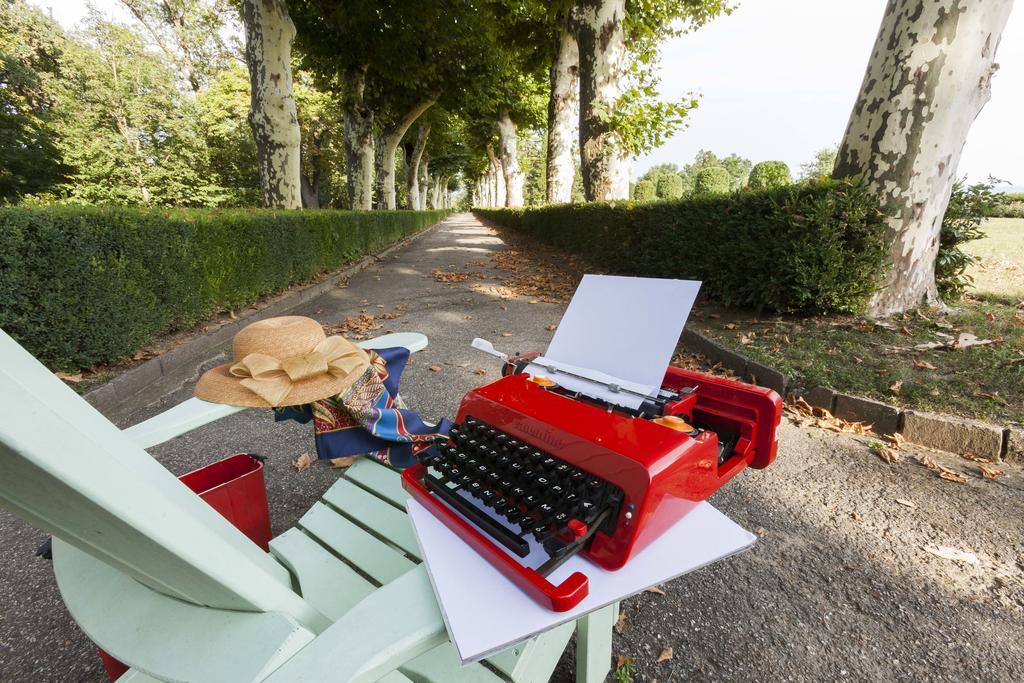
(530, 464)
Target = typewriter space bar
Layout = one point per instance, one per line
(508, 539)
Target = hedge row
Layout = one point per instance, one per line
(87, 285)
(811, 247)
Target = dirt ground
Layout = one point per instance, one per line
(851, 577)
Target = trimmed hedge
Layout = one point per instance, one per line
(86, 285)
(810, 247)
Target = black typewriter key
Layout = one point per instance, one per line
(578, 477)
(564, 469)
(487, 496)
(549, 464)
(557, 490)
(536, 457)
(465, 478)
(541, 532)
(505, 485)
(588, 508)
(554, 547)
(517, 492)
(472, 443)
(543, 482)
(474, 487)
(512, 443)
(560, 518)
(502, 461)
(527, 476)
(459, 456)
(513, 515)
(531, 499)
(500, 505)
(490, 433)
(493, 477)
(516, 467)
(501, 440)
(545, 511)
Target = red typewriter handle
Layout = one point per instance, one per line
(560, 598)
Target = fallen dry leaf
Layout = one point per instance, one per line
(621, 661)
(655, 589)
(895, 387)
(730, 326)
(453, 276)
(552, 327)
(990, 472)
(506, 334)
(479, 371)
(954, 554)
(923, 365)
(968, 339)
(665, 655)
(620, 623)
(907, 503)
(304, 462)
(467, 317)
(887, 454)
(342, 463)
(855, 516)
(896, 441)
(74, 378)
(975, 458)
(950, 475)
(928, 461)
(435, 368)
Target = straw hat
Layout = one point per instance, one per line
(286, 361)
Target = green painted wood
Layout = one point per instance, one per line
(136, 676)
(594, 644)
(441, 664)
(371, 555)
(534, 660)
(66, 469)
(374, 513)
(188, 415)
(394, 624)
(395, 677)
(381, 479)
(327, 583)
(169, 638)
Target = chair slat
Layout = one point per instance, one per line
(394, 677)
(381, 479)
(374, 513)
(442, 665)
(534, 660)
(371, 555)
(327, 583)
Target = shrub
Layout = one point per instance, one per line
(712, 180)
(811, 247)
(1013, 210)
(968, 206)
(644, 191)
(670, 186)
(85, 285)
(768, 175)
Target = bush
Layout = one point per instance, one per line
(968, 206)
(712, 180)
(670, 186)
(85, 285)
(644, 191)
(768, 175)
(1014, 210)
(810, 247)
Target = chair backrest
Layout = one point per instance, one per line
(66, 469)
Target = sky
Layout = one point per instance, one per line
(778, 78)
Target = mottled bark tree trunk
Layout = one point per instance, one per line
(413, 158)
(497, 179)
(388, 143)
(424, 183)
(563, 113)
(358, 131)
(275, 126)
(511, 171)
(927, 79)
(602, 50)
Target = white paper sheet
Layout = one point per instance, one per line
(623, 328)
(486, 613)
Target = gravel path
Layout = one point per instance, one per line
(838, 587)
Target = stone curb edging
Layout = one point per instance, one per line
(942, 432)
(158, 375)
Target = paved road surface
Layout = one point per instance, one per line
(839, 586)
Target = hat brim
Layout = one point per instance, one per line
(218, 385)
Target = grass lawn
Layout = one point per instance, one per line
(891, 360)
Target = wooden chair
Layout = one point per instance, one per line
(164, 583)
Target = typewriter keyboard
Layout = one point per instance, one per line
(523, 490)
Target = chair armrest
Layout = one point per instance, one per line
(194, 412)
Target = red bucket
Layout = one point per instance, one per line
(235, 488)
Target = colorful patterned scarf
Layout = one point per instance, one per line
(370, 417)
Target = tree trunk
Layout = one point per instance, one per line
(275, 126)
(424, 183)
(497, 179)
(358, 140)
(563, 113)
(413, 158)
(602, 51)
(927, 79)
(390, 138)
(310, 188)
(512, 172)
